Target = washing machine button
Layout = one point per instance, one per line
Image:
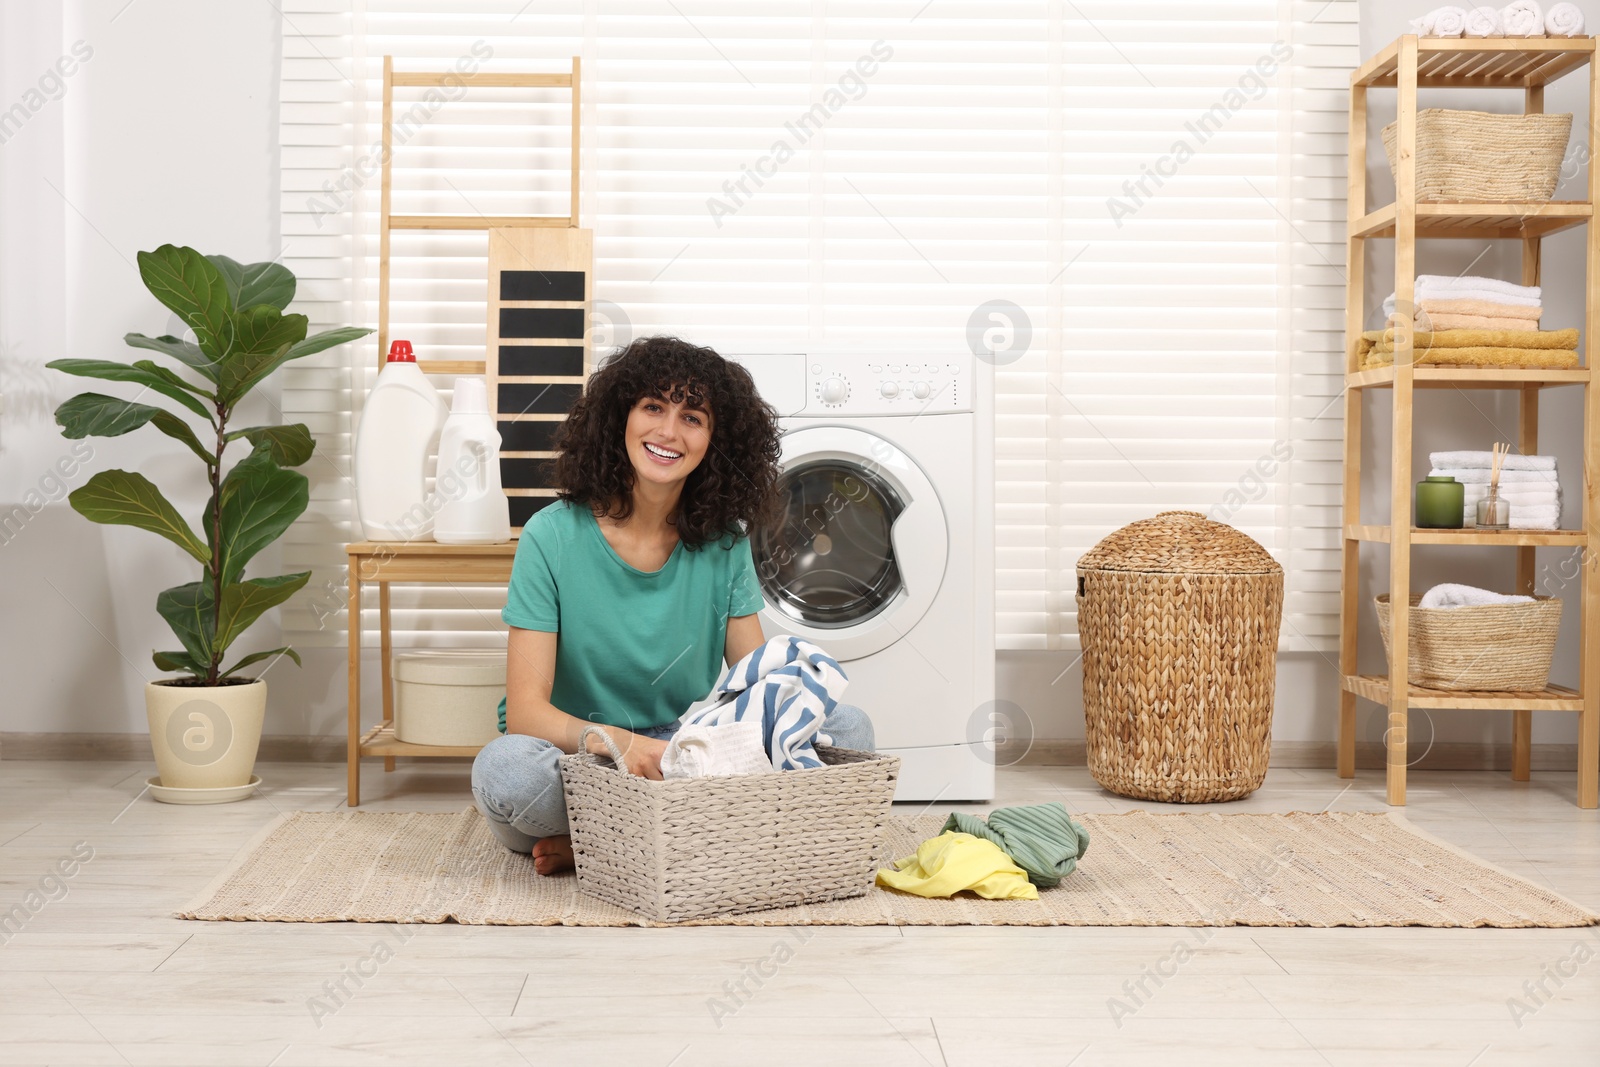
(921, 390)
(834, 391)
(890, 390)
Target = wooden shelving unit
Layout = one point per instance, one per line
(1492, 63)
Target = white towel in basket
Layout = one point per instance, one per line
(698, 751)
(1453, 595)
(791, 685)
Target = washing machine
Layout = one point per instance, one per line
(885, 554)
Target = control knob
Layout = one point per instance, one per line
(834, 391)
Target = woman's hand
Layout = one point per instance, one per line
(641, 755)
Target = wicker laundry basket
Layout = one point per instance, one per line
(688, 848)
(1179, 617)
(1473, 155)
(1489, 648)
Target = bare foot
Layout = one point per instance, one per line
(552, 855)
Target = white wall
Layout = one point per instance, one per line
(171, 136)
(167, 134)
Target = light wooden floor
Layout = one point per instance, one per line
(103, 976)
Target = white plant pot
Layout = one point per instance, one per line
(205, 737)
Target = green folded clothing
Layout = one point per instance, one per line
(1042, 839)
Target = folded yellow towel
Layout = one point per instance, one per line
(1484, 308)
(1542, 358)
(1438, 320)
(1539, 339)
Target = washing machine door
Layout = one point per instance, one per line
(859, 553)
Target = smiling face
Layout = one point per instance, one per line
(667, 439)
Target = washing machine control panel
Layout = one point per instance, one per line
(876, 385)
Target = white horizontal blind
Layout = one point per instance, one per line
(1186, 316)
(784, 177)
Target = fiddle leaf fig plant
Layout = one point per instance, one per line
(242, 333)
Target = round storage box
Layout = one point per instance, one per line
(448, 697)
(1179, 617)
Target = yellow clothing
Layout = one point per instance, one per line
(951, 862)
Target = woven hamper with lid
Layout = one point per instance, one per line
(1179, 618)
(689, 848)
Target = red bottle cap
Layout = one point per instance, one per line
(400, 352)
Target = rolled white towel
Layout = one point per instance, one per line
(1452, 595)
(1523, 18)
(1423, 25)
(1564, 20)
(1470, 475)
(1449, 21)
(1486, 459)
(1484, 22)
(697, 751)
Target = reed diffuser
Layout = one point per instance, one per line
(1494, 513)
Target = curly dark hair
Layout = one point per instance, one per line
(734, 489)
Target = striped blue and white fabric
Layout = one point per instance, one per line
(792, 685)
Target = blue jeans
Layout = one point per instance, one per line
(516, 779)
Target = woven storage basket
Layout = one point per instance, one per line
(689, 848)
(1493, 648)
(1473, 155)
(1179, 621)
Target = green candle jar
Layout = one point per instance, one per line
(1441, 503)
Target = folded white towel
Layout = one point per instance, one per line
(1522, 518)
(1563, 20)
(1480, 476)
(1475, 460)
(731, 748)
(1479, 281)
(1483, 22)
(1451, 595)
(1541, 518)
(1540, 497)
(1493, 296)
(1523, 18)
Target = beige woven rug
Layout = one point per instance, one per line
(1142, 869)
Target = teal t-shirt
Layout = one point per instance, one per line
(636, 648)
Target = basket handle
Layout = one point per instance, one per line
(611, 744)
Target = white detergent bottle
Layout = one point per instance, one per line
(473, 508)
(395, 443)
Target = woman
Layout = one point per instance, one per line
(630, 592)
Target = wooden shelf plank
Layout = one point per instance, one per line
(1478, 220)
(1515, 538)
(381, 741)
(1375, 687)
(1517, 63)
(474, 222)
(1425, 376)
(484, 79)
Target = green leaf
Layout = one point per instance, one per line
(326, 339)
(259, 501)
(98, 415)
(185, 352)
(243, 603)
(257, 657)
(265, 329)
(256, 283)
(121, 498)
(144, 372)
(289, 446)
(179, 661)
(187, 609)
(190, 285)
